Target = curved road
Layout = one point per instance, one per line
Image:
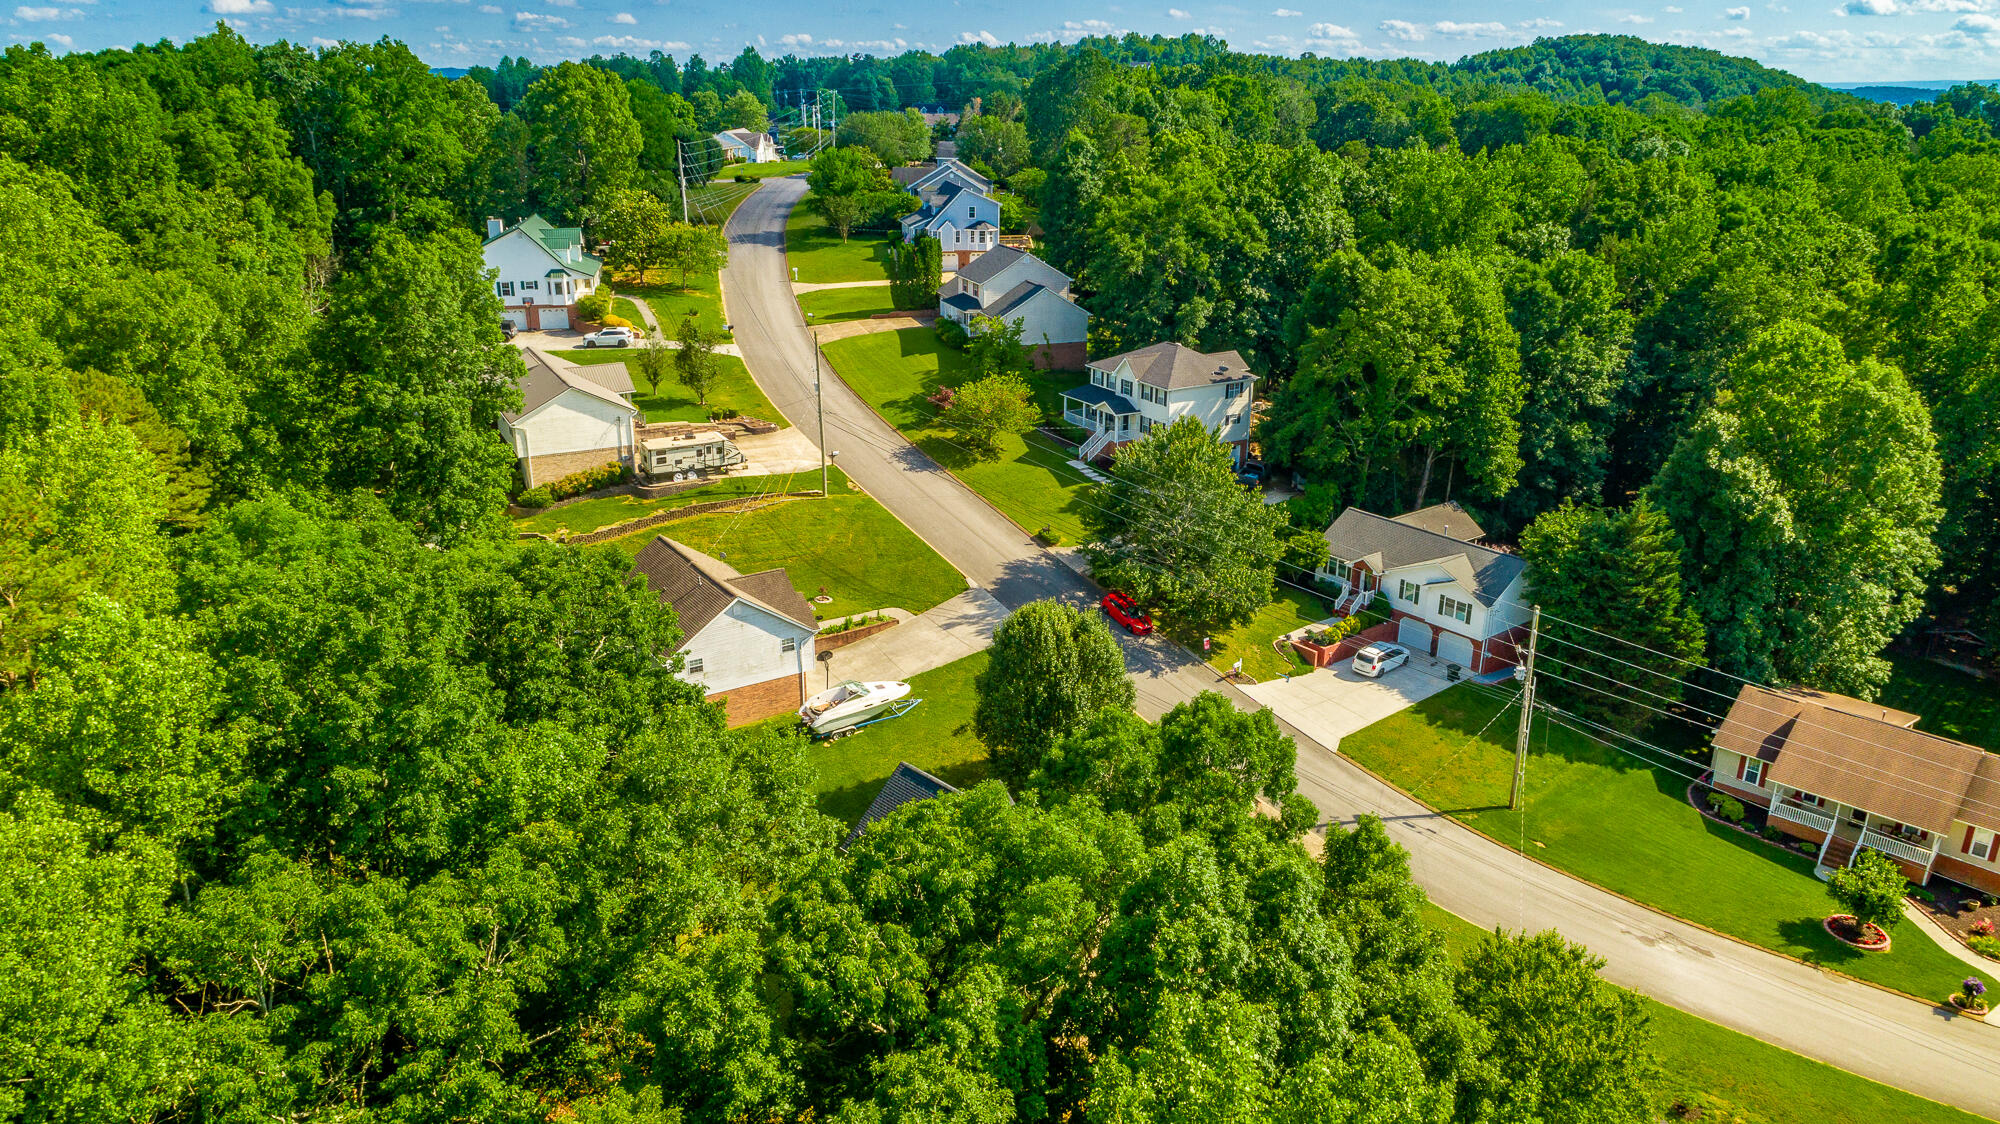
(1836, 1020)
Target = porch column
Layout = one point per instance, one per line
(1936, 842)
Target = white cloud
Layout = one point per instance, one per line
(1177, 14)
(323, 41)
(1672, 9)
(1949, 6)
(623, 17)
(985, 37)
(1100, 27)
(1539, 23)
(42, 15)
(1330, 31)
(1736, 14)
(239, 7)
(1869, 8)
(60, 40)
(1401, 29)
(1981, 26)
(536, 21)
(1286, 13)
(562, 3)
(1452, 29)
(1635, 18)
(798, 39)
(490, 9)
(633, 43)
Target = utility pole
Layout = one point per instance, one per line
(1527, 711)
(819, 396)
(681, 170)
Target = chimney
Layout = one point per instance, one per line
(494, 228)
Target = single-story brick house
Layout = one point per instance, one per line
(748, 637)
(1848, 774)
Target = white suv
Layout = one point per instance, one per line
(610, 337)
(1376, 660)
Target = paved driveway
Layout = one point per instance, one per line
(1333, 702)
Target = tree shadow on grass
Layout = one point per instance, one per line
(1808, 934)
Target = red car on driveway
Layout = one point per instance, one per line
(1121, 608)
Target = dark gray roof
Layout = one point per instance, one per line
(1099, 396)
(700, 588)
(1359, 534)
(548, 376)
(966, 301)
(1014, 298)
(989, 265)
(911, 173)
(907, 785)
(1172, 366)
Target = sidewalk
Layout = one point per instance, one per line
(956, 629)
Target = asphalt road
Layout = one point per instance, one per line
(1836, 1020)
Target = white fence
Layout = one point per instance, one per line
(1812, 818)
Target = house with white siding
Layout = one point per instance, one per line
(538, 271)
(743, 146)
(1129, 395)
(1017, 287)
(1448, 595)
(572, 418)
(956, 206)
(748, 638)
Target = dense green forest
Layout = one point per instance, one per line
(322, 798)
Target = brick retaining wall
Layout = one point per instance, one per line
(768, 699)
(843, 639)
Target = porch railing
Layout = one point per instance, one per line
(1097, 443)
(1817, 820)
(1890, 845)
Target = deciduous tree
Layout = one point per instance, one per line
(1051, 669)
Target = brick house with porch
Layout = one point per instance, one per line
(1852, 775)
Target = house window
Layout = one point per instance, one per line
(972, 288)
(1097, 378)
(1125, 387)
(1982, 845)
(1753, 773)
(506, 288)
(788, 644)
(694, 665)
(1338, 569)
(969, 212)
(530, 286)
(1804, 797)
(1455, 609)
(1407, 590)
(1232, 419)
(1234, 392)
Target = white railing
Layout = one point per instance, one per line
(1094, 446)
(1079, 419)
(1890, 845)
(1818, 821)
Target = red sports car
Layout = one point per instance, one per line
(1121, 608)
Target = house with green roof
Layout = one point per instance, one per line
(539, 270)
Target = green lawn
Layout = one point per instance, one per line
(672, 304)
(590, 515)
(734, 389)
(717, 199)
(935, 737)
(1611, 820)
(1030, 480)
(812, 248)
(830, 305)
(764, 171)
(847, 544)
(1289, 609)
(623, 307)
(1737, 1079)
(1953, 704)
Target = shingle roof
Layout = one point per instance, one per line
(701, 588)
(1359, 535)
(964, 301)
(548, 376)
(990, 264)
(1819, 743)
(557, 240)
(1014, 298)
(1172, 366)
(907, 785)
(1447, 519)
(1099, 396)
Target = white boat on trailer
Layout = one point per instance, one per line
(851, 705)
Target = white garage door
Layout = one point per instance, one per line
(555, 319)
(1415, 635)
(516, 317)
(1454, 648)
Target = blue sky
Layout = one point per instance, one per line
(1824, 40)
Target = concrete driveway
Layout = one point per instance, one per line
(949, 632)
(1333, 702)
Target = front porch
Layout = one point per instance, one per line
(1843, 832)
(1110, 419)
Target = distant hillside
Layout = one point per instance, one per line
(1625, 69)
(1897, 95)
(452, 72)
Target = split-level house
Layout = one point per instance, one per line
(1852, 775)
(1448, 595)
(748, 638)
(571, 418)
(1017, 287)
(955, 206)
(539, 272)
(744, 146)
(1130, 394)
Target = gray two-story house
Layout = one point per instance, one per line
(956, 208)
(1018, 287)
(1129, 394)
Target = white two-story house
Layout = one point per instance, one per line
(1447, 596)
(1018, 287)
(748, 637)
(1128, 395)
(958, 209)
(539, 271)
(743, 146)
(572, 418)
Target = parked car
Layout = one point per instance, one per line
(1377, 660)
(1252, 474)
(610, 337)
(1121, 608)
(507, 328)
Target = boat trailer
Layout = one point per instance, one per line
(897, 711)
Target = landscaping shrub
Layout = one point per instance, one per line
(613, 320)
(596, 306)
(1772, 834)
(590, 479)
(1728, 807)
(1809, 848)
(728, 413)
(952, 334)
(1989, 947)
(535, 497)
(741, 178)
(1982, 927)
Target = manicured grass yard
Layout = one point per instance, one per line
(764, 171)
(620, 306)
(1030, 480)
(846, 543)
(1954, 704)
(935, 737)
(1290, 608)
(589, 515)
(735, 389)
(672, 304)
(1742, 1080)
(831, 305)
(820, 256)
(1611, 820)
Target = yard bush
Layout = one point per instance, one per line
(596, 306)
(1772, 834)
(613, 320)
(952, 334)
(1872, 890)
(1989, 947)
(1728, 807)
(535, 497)
(590, 479)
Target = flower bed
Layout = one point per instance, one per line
(1748, 826)
(1841, 927)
